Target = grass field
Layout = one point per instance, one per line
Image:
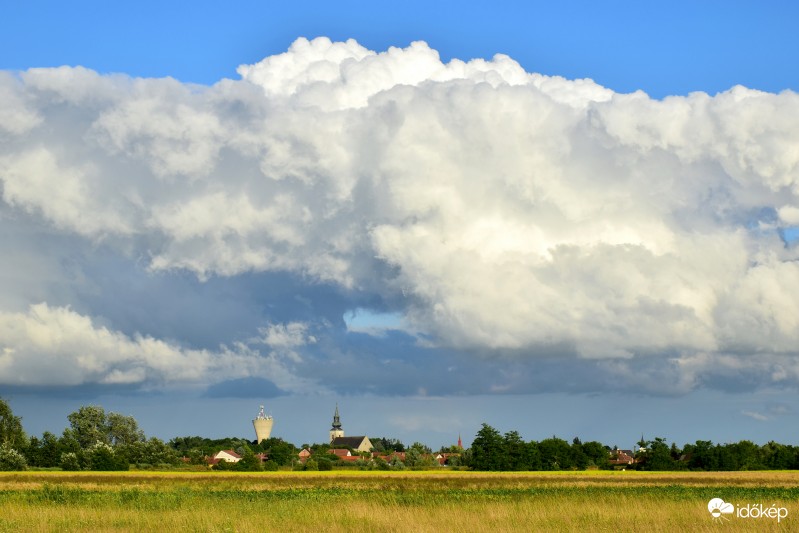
(390, 501)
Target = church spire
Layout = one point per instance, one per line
(336, 430)
(336, 420)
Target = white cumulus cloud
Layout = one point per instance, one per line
(498, 209)
(58, 346)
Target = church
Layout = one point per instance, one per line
(338, 440)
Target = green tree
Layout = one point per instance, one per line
(33, 452)
(487, 451)
(69, 461)
(728, 459)
(454, 448)
(385, 444)
(103, 457)
(556, 454)
(421, 448)
(182, 445)
(517, 454)
(277, 450)
(702, 455)
(68, 443)
(578, 458)
(249, 462)
(656, 456)
(378, 463)
(11, 432)
(153, 452)
(748, 455)
(224, 465)
(455, 460)
(11, 459)
(675, 452)
(777, 456)
(597, 454)
(413, 458)
(535, 456)
(88, 425)
(160, 453)
(50, 450)
(196, 457)
(122, 430)
(324, 463)
(43, 452)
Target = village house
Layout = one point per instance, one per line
(622, 458)
(344, 454)
(229, 456)
(444, 458)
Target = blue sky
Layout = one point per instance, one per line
(660, 48)
(429, 235)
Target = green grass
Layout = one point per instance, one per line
(386, 501)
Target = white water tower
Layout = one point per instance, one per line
(262, 425)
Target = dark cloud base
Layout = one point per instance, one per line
(244, 388)
(85, 392)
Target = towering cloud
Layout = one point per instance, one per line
(499, 211)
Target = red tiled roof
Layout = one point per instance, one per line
(341, 452)
(230, 452)
(621, 458)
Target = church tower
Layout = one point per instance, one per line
(336, 430)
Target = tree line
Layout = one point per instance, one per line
(94, 440)
(492, 450)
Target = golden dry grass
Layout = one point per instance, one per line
(389, 501)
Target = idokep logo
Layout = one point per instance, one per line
(718, 508)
